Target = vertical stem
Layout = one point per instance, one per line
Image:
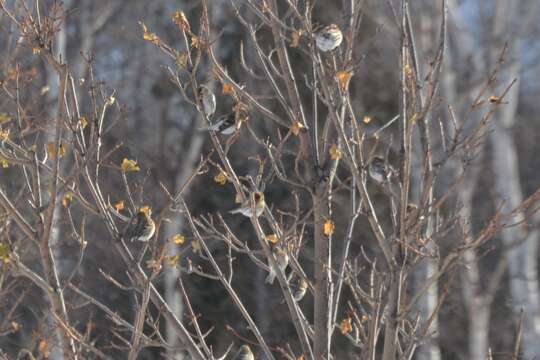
(321, 346)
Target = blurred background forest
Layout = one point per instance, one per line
(150, 121)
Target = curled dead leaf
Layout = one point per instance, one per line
(129, 165)
(119, 206)
(329, 227)
(344, 77)
(173, 260)
(147, 35)
(83, 122)
(335, 152)
(227, 88)
(4, 134)
(220, 178)
(5, 252)
(296, 127)
(180, 19)
(195, 42)
(345, 326)
(178, 239)
(66, 200)
(494, 99)
(43, 348)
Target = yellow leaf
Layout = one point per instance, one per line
(364, 318)
(494, 99)
(408, 70)
(147, 35)
(301, 357)
(195, 246)
(227, 88)
(173, 260)
(220, 178)
(4, 134)
(180, 19)
(367, 119)
(129, 165)
(296, 127)
(62, 149)
(195, 42)
(178, 239)
(346, 326)
(4, 163)
(329, 227)
(36, 50)
(83, 122)
(43, 348)
(146, 209)
(66, 200)
(343, 78)
(296, 35)
(5, 252)
(272, 238)
(4, 118)
(119, 206)
(335, 152)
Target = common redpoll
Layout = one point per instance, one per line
(244, 353)
(141, 227)
(298, 287)
(379, 170)
(282, 259)
(207, 99)
(328, 38)
(225, 124)
(245, 209)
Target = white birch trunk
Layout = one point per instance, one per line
(522, 247)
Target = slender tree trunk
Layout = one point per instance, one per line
(522, 253)
(322, 267)
(54, 251)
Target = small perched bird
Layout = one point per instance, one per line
(225, 124)
(207, 99)
(282, 260)
(328, 38)
(244, 353)
(299, 287)
(245, 208)
(379, 170)
(141, 227)
(412, 216)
